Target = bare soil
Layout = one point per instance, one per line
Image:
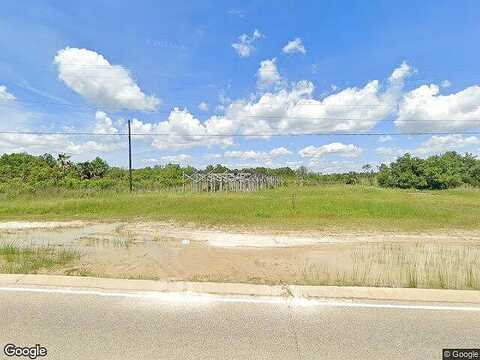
(167, 251)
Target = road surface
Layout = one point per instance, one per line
(90, 324)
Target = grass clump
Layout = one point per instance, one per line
(22, 260)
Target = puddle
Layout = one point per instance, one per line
(58, 236)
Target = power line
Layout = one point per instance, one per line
(243, 134)
(93, 107)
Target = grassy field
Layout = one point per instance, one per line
(294, 208)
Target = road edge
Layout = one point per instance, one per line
(296, 291)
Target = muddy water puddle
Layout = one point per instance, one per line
(89, 237)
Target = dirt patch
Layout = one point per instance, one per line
(28, 225)
(167, 251)
(263, 239)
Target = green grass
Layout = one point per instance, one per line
(320, 207)
(19, 260)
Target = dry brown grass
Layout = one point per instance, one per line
(397, 265)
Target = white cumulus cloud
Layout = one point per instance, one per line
(401, 72)
(258, 155)
(390, 152)
(55, 143)
(203, 106)
(257, 158)
(439, 144)
(268, 74)
(5, 96)
(295, 110)
(177, 159)
(334, 166)
(103, 124)
(436, 144)
(446, 84)
(384, 138)
(336, 148)
(109, 86)
(281, 151)
(244, 47)
(180, 130)
(424, 108)
(294, 46)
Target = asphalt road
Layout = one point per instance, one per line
(88, 324)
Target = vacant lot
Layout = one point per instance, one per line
(355, 208)
(328, 235)
(170, 251)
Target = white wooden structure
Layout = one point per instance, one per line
(234, 182)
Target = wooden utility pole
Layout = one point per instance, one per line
(130, 155)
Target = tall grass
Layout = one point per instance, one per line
(396, 265)
(19, 260)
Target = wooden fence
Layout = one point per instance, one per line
(234, 182)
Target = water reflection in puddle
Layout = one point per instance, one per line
(89, 238)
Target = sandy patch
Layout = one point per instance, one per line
(27, 225)
(262, 239)
(169, 251)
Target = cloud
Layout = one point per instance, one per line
(260, 155)
(440, 144)
(56, 143)
(180, 130)
(5, 96)
(384, 138)
(424, 109)
(176, 159)
(288, 108)
(150, 161)
(343, 150)
(21, 120)
(295, 110)
(203, 106)
(245, 47)
(103, 124)
(14, 116)
(294, 46)
(251, 158)
(281, 151)
(267, 74)
(445, 84)
(335, 166)
(436, 144)
(109, 86)
(185, 131)
(401, 72)
(389, 152)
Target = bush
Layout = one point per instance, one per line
(436, 172)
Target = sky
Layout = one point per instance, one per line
(240, 83)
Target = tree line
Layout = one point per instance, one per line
(25, 173)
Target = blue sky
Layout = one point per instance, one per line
(257, 67)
